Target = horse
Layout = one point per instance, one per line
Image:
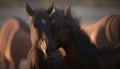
(43, 53)
(106, 58)
(14, 42)
(80, 52)
(105, 33)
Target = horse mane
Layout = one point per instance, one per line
(35, 59)
(82, 39)
(23, 24)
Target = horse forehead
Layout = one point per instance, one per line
(58, 14)
(41, 14)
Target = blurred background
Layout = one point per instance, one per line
(90, 11)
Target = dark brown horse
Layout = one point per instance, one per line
(80, 52)
(43, 54)
(14, 42)
(106, 58)
(105, 33)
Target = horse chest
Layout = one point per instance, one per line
(73, 58)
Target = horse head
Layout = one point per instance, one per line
(41, 39)
(60, 26)
(40, 26)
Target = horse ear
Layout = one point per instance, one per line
(67, 11)
(29, 10)
(51, 9)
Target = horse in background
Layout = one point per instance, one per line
(105, 33)
(80, 52)
(14, 42)
(43, 53)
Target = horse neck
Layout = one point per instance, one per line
(72, 52)
(69, 44)
(91, 30)
(83, 43)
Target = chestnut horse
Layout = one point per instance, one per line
(105, 33)
(14, 42)
(43, 53)
(80, 52)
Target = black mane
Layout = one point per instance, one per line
(82, 39)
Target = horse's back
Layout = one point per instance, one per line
(20, 43)
(23, 24)
(105, 32)
(110, 29)
(14, 40)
